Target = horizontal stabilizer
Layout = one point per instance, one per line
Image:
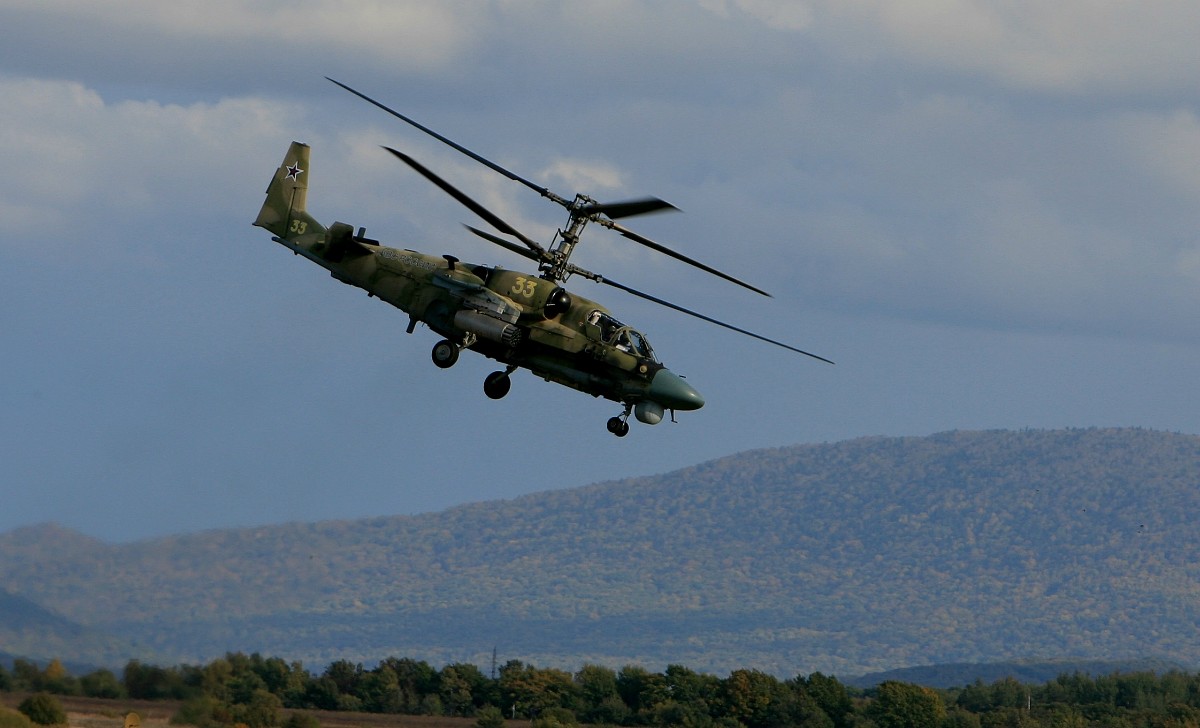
(342, 243)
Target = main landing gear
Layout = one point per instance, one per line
(619, 425)
(445, 354)
(495, 386)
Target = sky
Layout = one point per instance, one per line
(984, 212)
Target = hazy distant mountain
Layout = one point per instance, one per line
(853, 557)
(29, 630)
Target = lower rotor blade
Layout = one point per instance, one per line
(709, 319)
(505, 244)
(472, 205)
(677, 256)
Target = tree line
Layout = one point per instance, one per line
(267, 692)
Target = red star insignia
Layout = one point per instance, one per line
(294, 171)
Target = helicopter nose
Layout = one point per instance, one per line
(668, 389)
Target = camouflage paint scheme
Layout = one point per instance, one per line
(518, 319)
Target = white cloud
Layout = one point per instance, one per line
(876, 165)
(1164, 145)
(903, 200)
(975, 207)
(76, 165)
(786, 15)
(1188, 264)
(582, 176)
(1076, 46)
(402, 31)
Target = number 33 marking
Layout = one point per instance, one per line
(524, 287)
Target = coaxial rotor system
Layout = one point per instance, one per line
(554, 260)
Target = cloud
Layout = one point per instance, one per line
(78, 165)
(1073, 46)
(1164, 145)
(583, 176)
(1020, 212)
(777, 15)
(972, 207)
(885, 169)
(404, 32)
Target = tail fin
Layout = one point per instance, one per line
(284, 212)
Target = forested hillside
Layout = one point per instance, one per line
(846, 558)
(27, 628)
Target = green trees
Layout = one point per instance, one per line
(641, 690)
(26, 676)
(752, 698)
(101, 684)
(417, 686)
(490, 717)
(534, 690)
(150, 682)
(903, 705)
(202, 711)
(261, 710)
(463, 689)
(599, 701)
(828, 695)
(258, 692)
(43, 709)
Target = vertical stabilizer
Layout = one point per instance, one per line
(284, 212)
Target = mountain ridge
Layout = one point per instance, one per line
(28, 628)
(851, 557)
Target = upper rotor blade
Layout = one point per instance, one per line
(505, 244)
(628, 208)
(482, 160)
(472, 205)
(678, 256)
(709, 319)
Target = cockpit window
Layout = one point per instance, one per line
(621, 336)
(608, 325)
(641, 347)
(628, 340)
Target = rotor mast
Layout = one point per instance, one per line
(558, 267)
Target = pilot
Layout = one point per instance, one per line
(640, 347)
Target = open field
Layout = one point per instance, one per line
(100, 713)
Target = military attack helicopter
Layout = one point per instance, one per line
(521, 320)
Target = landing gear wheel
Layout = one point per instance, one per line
(496, 385)
(618, 427)
(445, 353)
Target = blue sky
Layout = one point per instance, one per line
(985, 213)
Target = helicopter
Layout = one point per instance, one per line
(519, 319)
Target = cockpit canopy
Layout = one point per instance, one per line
(623, 337)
